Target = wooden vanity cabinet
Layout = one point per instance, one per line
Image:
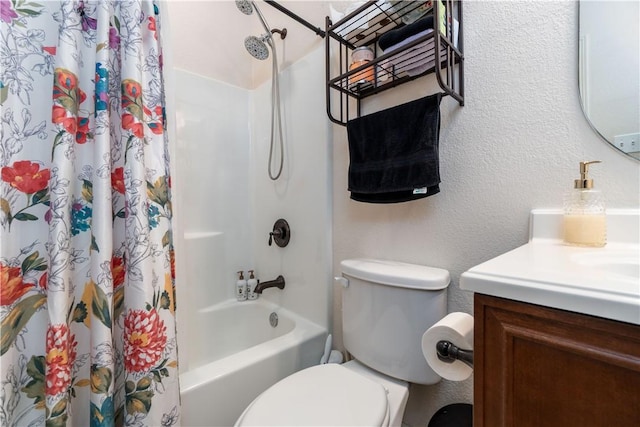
(541, 367)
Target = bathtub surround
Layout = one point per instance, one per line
(222, 161)
(301, 195)
(215, 237)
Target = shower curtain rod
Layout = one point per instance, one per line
(290, 14)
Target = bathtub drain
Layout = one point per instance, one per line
(273, 319)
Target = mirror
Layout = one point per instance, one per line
(609, 70)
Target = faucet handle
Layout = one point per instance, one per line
(281, 233)
(275, 232)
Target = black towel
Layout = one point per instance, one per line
(394, 37)
(394, 153)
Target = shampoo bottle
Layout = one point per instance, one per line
(251, 286)
(585, 222)
(241, 287)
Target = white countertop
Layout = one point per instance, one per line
(603, 282)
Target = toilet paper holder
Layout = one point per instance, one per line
(449, 353)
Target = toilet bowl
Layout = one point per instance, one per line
(387, 306)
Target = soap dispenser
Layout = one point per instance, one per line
(585, 222)
(241, 287)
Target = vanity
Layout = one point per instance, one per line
(557, 329)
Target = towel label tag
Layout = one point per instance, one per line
(422, 190)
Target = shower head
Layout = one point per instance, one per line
(244, 6)
(247, 7)
(257, 47)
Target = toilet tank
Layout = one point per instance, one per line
(386, 307)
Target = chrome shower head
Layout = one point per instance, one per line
(244, 6)
(257, 47)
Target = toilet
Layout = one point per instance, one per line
(386, 307)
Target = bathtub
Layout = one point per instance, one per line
(241, 356)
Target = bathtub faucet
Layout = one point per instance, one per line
(277, 283)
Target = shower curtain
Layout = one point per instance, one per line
(87, 304)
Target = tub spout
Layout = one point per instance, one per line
(277, 283)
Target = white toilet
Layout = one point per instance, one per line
(386, 307)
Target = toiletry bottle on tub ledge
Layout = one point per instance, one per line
(241, 287)
(251, 286)
(585, 222)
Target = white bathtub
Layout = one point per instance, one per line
(241, 356)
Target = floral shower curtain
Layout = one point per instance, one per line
(87, 305)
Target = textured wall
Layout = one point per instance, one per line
(514, 146)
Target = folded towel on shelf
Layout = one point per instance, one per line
(415, 60)
(394, 153)
(393, 37)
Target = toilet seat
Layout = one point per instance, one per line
(327, 395)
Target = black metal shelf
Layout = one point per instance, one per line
(363, 27)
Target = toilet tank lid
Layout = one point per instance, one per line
(394, 273)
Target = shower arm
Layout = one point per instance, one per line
(292, 15)
(282, 32)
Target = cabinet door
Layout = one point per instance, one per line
(541, 367)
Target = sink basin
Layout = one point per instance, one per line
(603, 282)
(618, 262)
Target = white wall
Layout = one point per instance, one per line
(514, 146)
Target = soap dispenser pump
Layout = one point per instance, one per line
(585, 222)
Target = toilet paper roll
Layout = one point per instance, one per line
(335, 357)
(458, 329)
